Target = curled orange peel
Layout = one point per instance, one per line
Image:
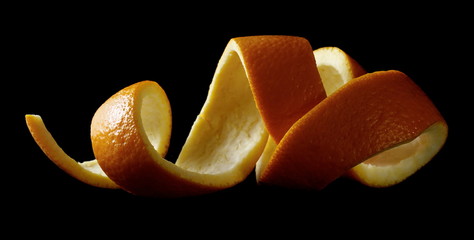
(88, 172)
(266, 108)
(381, 137)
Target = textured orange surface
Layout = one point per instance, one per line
(121, 151)
(283, 77)
(367, 115)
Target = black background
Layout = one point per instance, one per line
(64, 64)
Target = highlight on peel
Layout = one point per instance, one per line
(88, 172)
(394, 165)
(336, 68)
(369, 118)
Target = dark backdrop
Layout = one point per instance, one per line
(64, 64)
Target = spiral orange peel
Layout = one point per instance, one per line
(266, 109)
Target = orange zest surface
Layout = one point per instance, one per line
(335, 68)
(266, 109)
(333, 137)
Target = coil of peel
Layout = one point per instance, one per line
(300, 118)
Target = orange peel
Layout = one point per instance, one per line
(266, 108)
(335, 68)
(371, 115)
(88, 172)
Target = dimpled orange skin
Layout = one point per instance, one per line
(121, 152)
(283, 77)
(367, 115)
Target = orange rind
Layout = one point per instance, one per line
(88, 172)
(375, 114)
(301, 118)
(335, 68)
